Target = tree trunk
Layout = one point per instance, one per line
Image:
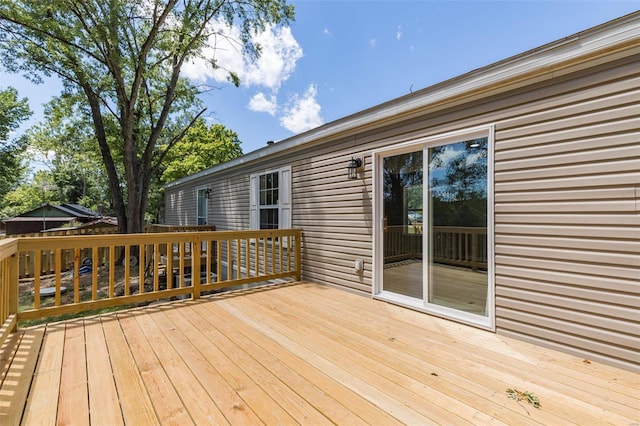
(105, 151)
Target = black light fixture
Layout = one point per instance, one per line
(208, 193)
(352, 168)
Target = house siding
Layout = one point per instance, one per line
(227, 208)
(567, 237)
(567, 203)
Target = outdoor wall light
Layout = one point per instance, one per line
(353, 167)
(208, 193)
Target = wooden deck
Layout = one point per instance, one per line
(296, 354)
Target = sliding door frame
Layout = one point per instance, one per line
(424, 143)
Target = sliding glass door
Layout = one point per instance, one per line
(403, 218)
(434, 248)
(457, 226)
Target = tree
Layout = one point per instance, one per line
(30, 195)
(202, 147)
(64, 143)
(459, 183)
(124, 57)
(13, 112)
(401, 172)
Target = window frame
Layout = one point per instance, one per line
(284, 198)
(202, 191)
(267, 193)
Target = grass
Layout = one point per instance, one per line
(518, 396)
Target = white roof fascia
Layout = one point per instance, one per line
(603, 39)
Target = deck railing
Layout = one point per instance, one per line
(8, 287)
(452, 245)
(26, 265)
(128, 269)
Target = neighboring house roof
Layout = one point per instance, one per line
(99, 223)
(61, 212)
(80, 209)
(39, 219)
(551, 60)
(112, 221)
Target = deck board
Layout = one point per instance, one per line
(297, 354)
(73, 397)
(136, 405)
(272, 386)
(331, 344)
(167, 404)
(104, 406)
(19, 373)
(201, 404)
(329, 396)
(493, 362)
(46, 380)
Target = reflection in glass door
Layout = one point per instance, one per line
(402, 204)
(434, 245)
(457, 226)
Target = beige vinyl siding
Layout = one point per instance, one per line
(229, 205)
(227, 209)
(567, 205)
(180, 206)
(567, 237)
(566, 209)
(336, 217)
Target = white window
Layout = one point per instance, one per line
(202, 206)
(270, 201)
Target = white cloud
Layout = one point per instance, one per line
(261, 103)
(399, 32)
(475, 157)
(280, 52)
(448, 154)
(302, 112)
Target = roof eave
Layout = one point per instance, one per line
(618, 37)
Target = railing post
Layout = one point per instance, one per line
(298, 252)
(13, 288)
(196, 249)
(474, 251)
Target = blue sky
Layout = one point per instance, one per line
(340, 57)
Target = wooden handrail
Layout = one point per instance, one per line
(146, 267)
